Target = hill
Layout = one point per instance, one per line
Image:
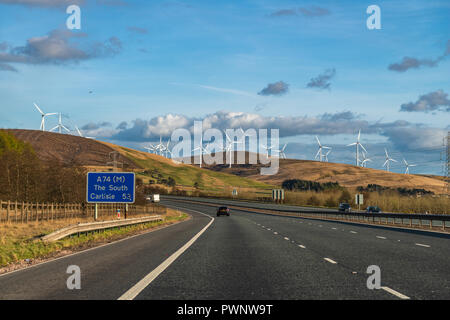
(69, 149)
(93, 154)
(345, 174)
(152, 168)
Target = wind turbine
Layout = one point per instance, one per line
(43, 115)
(151, 148)
(357, 144)
(326, 155)
(386, 163)
(60, 126)
(281, 152)
(363, 163)
(202, 150)
(229, 146)
(159, 148)
(407, 165)
(319, 152)
(167, 149)
(81, 135)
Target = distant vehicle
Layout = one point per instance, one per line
(223, 211)
(152, 198)
(373, 209)
(344, 207)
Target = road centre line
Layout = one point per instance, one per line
(380, 237)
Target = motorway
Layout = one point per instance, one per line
(247, 256)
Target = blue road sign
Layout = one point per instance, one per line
(110, 187)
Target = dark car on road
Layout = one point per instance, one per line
(344, 207)
(373, 209)
(223, 211)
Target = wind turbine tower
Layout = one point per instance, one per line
(358, 144)
(320, 151)
(388, 159)
(43, 116)
(60, 126)
(407, 165)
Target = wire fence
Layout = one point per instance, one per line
(24, 212)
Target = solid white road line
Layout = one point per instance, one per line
(142, 284)
(330, 261)
(422, 245)
(395, 293)
(380, 237)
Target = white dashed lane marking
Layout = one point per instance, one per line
(303, 247)
(330, 260)
(380, 237)
(422, 245)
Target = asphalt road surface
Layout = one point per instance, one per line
(248, 256)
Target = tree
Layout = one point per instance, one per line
(345, 196)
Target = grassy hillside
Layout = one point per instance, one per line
(153, 168)
(345, 174)
(185, 175)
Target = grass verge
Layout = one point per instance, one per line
(20, 245)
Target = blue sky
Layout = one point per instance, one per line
(193, 59)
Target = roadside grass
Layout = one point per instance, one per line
(20, 244)
(388, 202)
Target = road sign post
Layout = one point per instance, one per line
(359, 200)
(110, 187)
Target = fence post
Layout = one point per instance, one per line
(15, 212)
(7, 211)
(21, 211)
(37, 212)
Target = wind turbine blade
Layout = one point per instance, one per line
(363, 147)
(39, 109)
(385, 163)
(79, 132)
(351, 144)
(54, 128)
(65, 128)
(393, 160)
(318, 140)
(359, 134)
(50, 114)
